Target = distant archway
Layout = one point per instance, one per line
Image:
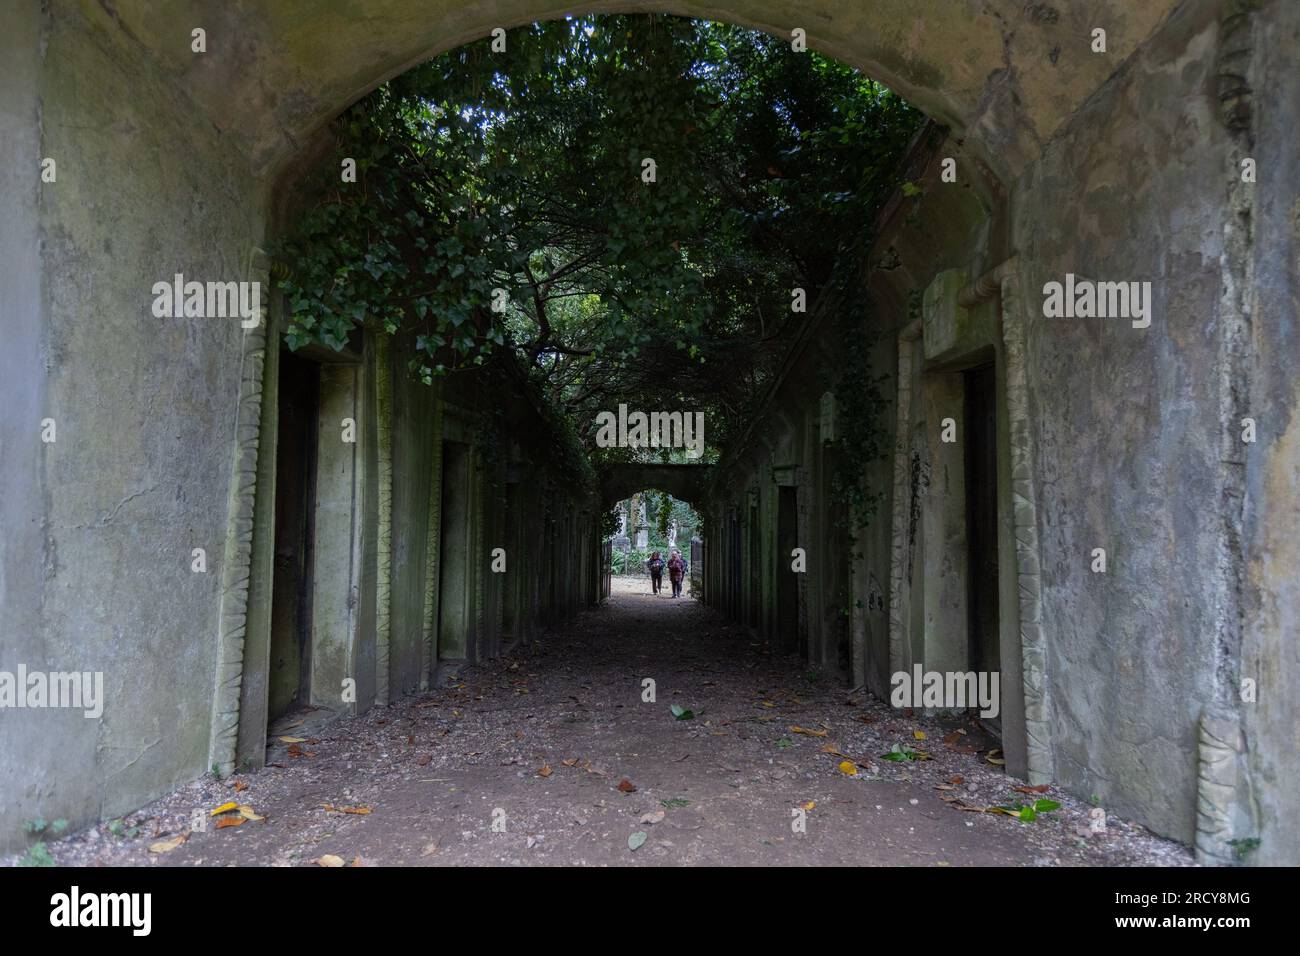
(684, 482)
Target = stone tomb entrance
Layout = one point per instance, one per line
(957, 579)
(305, 583)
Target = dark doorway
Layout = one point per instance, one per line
(981, 454)
(295, 492)
(512, 521)
(755, 550)
(787, 581)
(453, 565)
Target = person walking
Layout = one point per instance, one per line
(656, 566)
(676, 571)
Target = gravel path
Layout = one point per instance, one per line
(551, 756)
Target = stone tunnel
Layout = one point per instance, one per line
(1163, 679)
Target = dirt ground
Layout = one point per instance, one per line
(550, 756)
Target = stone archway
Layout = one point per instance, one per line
(684, 482)
(1004, 75)
(167, 159)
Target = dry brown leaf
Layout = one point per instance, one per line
(240, 785)
(654, 817)
(545, 771)
(359, 811)
(1041, 788)
(422, 760)
(166, 846)
(809, 732)
(230, 821)
(293, 740)
(831, 749)
(627, 786)
(570, 762)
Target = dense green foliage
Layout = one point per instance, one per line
(523, 170)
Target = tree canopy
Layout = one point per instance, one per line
(504, 201)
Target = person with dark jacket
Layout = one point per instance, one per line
(656, 566)
(676, 571)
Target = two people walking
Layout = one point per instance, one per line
(676, 571)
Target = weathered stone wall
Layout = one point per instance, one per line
(1270, 534)
(99, 525)
(1129, 425)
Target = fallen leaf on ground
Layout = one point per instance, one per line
(954, 743)
(1041, 788)
(810, 804)
(919, 734)
(995, 760)
(166, 846)
(570, 762)
(654, 817)
(423, 760)
(359, 811)
(848, 768)
(636, 839)
(831, 749)
(229, 822)
(293, 740)
(248, 813)
(329, 859)
(240, 785)
(627, 786)
(957, 804)
(809, 732)
(545, 771)
(225, 808)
